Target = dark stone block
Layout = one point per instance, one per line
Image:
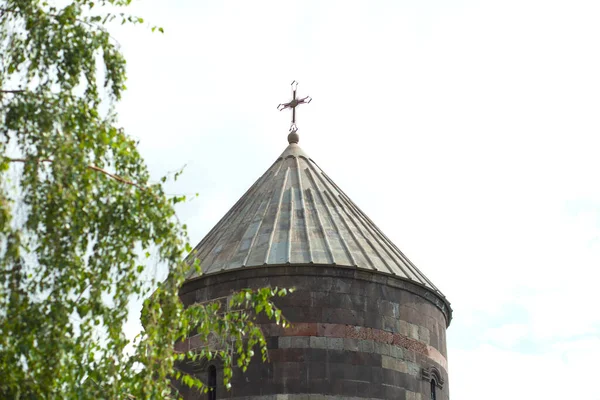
(360, 358)
(338, 356)
(349, 388)
(321, 386)
(342, 316)
(351, 372)
(434, 340)
(302, 314)
(293, 386)
(317, 355)
(286, 370)
(364, 372)
(376, 375)
(296, 299)
(293, 355)
(272, 342)
(263, 319)
(393, 392)
(341, 286)
(358, 287)
(266, 371)
(317, 369)
(336, 300)
(372, 291)
(320, 299)
(336, 371)
(372, 320)
(390, 377)
(366, 389)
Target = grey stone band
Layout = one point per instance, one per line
(393, 357)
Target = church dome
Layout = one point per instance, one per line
(294, 214)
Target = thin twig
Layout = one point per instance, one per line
(5, 10)
(10, 271)
(92, 167)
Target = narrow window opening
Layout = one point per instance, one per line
(212, 383)
(433, 397)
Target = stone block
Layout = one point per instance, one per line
(414, 331)
(336, 371)
(376, 375)
(409, 355)
(302, 329)
(413, 369)
(196, 342)
(393, 392)
(300, 342)
(396, 352)
(351, 344)
(382, 348)
(404, 328)
(349, 388)
(331, 330)
(272, 342)
(286, 371)
(330, 315)
(366, 346)
(318, 342)
(317, 355)
(335, 343)
(341, 286)
(391, 324)
(317, 369)
(411, 395)
(358, 287)
(388, 308)
(285, 342)
(363, 389)
(320, 299)
(367, 359)
(424, 334)
(301, 314)
(394, 364)
(182, 346)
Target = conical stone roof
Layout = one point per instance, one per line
(295, 214)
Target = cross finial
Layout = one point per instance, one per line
(293, 136)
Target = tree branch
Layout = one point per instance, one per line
(9, 271)
(5, 10)
(12, 91)
(92, 167)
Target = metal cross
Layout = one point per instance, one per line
(293, 104)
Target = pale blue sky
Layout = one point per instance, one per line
(467, 130)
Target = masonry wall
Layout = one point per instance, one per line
(355, 334)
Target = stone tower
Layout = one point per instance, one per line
(366, 323)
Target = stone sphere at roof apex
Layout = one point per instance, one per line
(293, 137)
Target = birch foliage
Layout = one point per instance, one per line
(78, 215)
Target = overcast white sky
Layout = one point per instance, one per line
(467, 130)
